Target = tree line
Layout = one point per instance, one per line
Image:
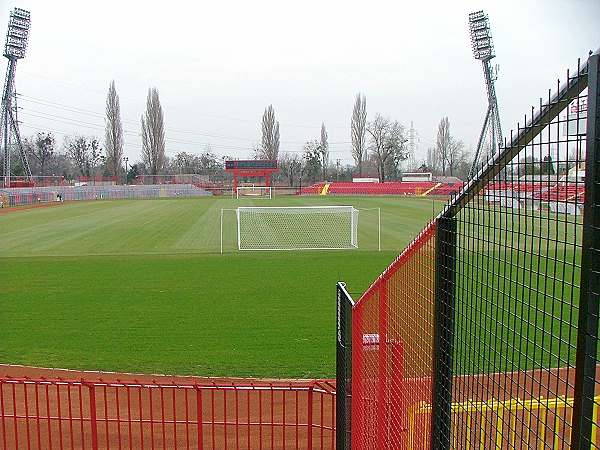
(85, 156)
(378, 147)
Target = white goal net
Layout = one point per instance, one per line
(253, 192)
(297, 228)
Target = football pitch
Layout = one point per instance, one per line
(140, 286)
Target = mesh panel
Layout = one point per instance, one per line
(518, 265)
(302, 228)
(391, 382)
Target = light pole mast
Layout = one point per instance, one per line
(14, 49)
(483, 50)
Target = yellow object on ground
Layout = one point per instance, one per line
(325, 189)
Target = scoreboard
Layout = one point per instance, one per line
(251, 164)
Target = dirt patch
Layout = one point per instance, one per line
(11, 209)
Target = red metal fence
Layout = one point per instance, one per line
(392, 344)
(61, 414)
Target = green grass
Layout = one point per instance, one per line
(140, 286)
(517, 291)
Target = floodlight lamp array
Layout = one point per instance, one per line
(481, 38)
(17, 34)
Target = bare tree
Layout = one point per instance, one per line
(270, 135)
(276, 141)
(357, 130)
(442, 144)
(290, 165)
(86, 155)
(153, 134)
(114, 132)
(457, 156)
(209, 162)
(433, 163)
(61, 165)
(185, 163)
(448, 156)
(205, 163)
(41, 148)
(257, 151)
(387, 144)
(324, 148)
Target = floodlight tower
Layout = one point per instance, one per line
(483, 50)
(16, 45)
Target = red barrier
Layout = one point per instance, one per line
(392, 345)
(66, 414)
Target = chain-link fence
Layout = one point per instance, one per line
(38, 195)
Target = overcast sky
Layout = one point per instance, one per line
(217, 64)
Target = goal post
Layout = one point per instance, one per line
(253, 192)
(297, 228)
(274, 228)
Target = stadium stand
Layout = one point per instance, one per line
(557, 196)
(387, 188)
(557, 191)
(570, 192)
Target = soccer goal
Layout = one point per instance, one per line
(253, 192)
(296, 228)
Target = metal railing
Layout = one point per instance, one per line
(69, 414)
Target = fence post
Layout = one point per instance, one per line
(199, 419)
(382, 413)
(358, 395)
(397, 420)
(445, 296)
(343, 368)
(587, 327)
(93, 418)
(309, 431)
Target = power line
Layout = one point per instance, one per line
(213, 116)
(66, 120)
(64, 133)
(78, 110)
(167, 140)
